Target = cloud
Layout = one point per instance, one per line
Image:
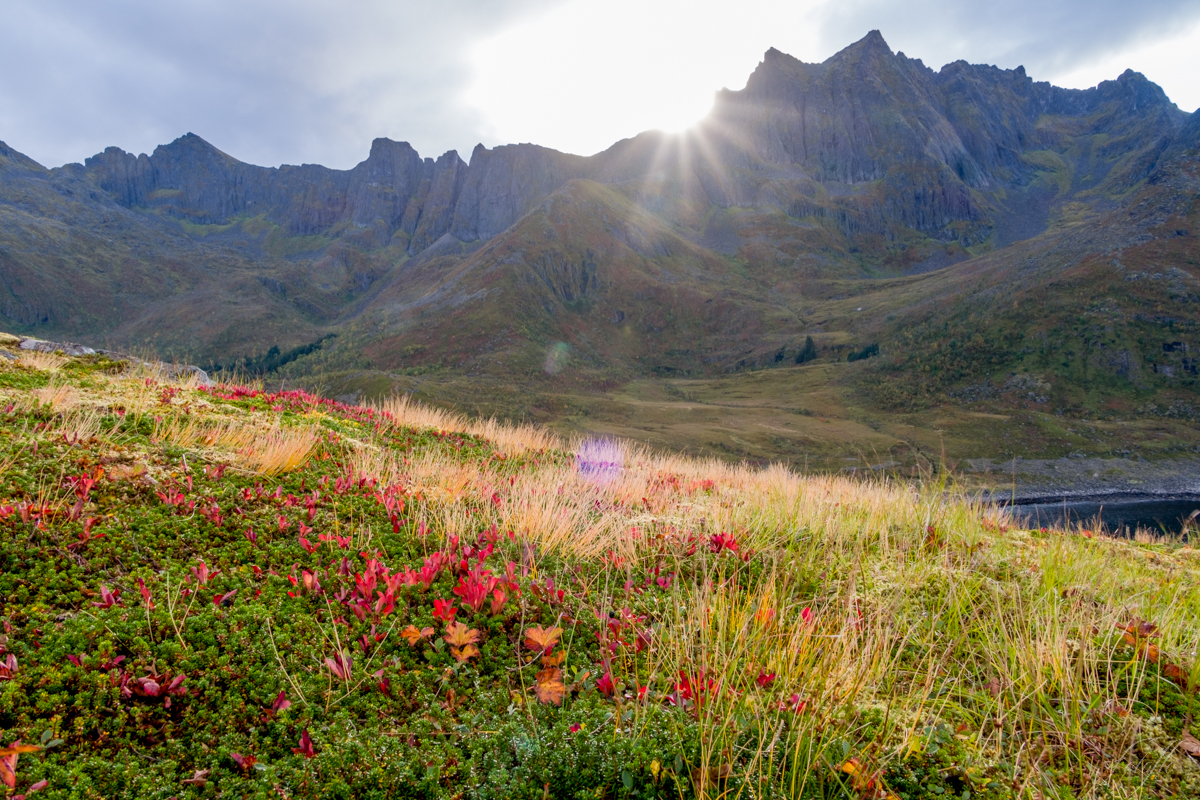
(582, 74)
(1046, 36)
(269, 81)
(291, 81)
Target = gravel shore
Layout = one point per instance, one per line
(1026, 480)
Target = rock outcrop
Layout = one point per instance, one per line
(928, 142)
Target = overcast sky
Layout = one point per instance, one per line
(295, 81)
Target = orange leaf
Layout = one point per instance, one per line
(1141, 628)
(13, 750)
(1113, 707)
(1176, 674)
(459, 635)
(549, 687)
(413, 635)
(555, 660)
(544, 639)
(850, 767)
(469, 651)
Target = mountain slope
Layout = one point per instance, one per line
(985, 232)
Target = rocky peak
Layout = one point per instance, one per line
(864, 115)
(1136, 93)
(871, 46)
(10, 159)
(382, 186)
(847, 120)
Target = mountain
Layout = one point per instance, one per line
(1002, 244)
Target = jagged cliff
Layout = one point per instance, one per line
(902, 146)
(865, 199)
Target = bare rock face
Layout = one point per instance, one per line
(870, 141)
(433, 211)
(504, 184)
(381, 187)
(894, 143)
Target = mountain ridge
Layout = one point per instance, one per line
(866, 200)
(425, 198)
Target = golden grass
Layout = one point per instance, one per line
(922, 607)
(45, 362)
(59, 396)
(78, 424)
(267, 451)
(403, 411)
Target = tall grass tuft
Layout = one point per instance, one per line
(45, 362)
(403, 411)
(266, 451)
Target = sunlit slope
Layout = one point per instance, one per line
(1098, 316)
(590, 270)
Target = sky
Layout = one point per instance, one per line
(314, 81)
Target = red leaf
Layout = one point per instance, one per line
(202, 575)
(340, 665)
(145, 594)
(108, 599)
(444, 610)
(281, 702)
(245, 762)
(306, 745)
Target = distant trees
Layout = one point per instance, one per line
(272, 360)
(808, 352)
(866, 352)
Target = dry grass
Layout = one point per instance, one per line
(266, 451)
(59, 396)
(45, 362)
(918, 609)
(510, 439)
(78, 424)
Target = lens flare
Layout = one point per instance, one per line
(599, 460)
(556, 358)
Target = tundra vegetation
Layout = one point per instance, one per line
(219, 591)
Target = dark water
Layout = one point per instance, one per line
(1158, 514)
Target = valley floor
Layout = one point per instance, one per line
(807, 418)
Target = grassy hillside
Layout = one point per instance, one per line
(1078, 340)
(217, 591)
